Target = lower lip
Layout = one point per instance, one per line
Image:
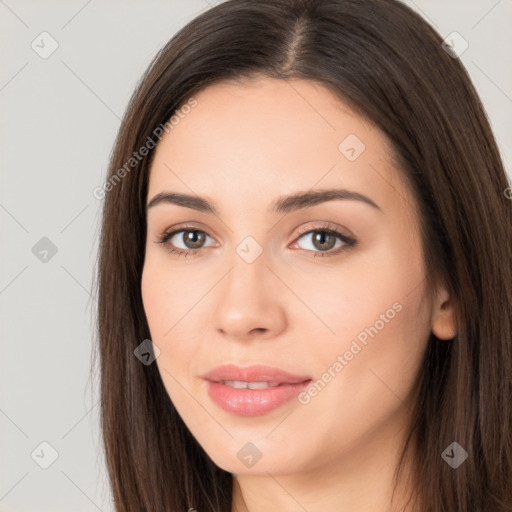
(253, 402)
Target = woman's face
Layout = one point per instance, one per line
(266, 286)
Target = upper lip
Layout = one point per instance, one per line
(254, 373)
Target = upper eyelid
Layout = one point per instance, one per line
(325, 225)
(174, 230)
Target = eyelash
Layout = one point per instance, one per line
(327, 228)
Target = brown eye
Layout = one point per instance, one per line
(324, 239)
(193, 239)
(187, 241)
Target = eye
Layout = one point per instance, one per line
(192, 238)
(323, 240)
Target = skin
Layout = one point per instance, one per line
(243, 146)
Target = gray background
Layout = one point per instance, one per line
(59, 118)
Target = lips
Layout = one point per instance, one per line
(270, 388)
(254, 373)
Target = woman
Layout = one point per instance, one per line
(239, 371)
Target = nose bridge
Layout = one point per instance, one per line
(249, 251)
(249, 273)
(247, 300)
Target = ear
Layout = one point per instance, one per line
(443, 316)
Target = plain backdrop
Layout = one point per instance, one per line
(59, 117)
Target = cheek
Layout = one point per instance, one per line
(366, 373)
(167, 296)
(380, 285)
(381, 327)
(164, 306)
(169, 303)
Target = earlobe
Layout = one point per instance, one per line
(443, 321)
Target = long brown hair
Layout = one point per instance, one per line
(387, 63)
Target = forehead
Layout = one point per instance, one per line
(272, 137)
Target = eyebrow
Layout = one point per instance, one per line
(283, 204)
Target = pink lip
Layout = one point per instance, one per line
(255, 373)
(253, 402)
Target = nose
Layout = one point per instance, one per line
(250, 301)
